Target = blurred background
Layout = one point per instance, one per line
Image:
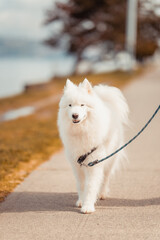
(42, 39)
(23, 56)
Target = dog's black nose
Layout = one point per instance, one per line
(75, 116)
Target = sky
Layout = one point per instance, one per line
(23, 18)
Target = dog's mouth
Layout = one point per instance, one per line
(76, 121)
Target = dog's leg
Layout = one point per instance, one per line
(104, 192)
(80, 189)
(94, 177)
(79, 176)
(108, 173)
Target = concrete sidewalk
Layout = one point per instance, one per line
(42, 207)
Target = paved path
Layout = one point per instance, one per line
(42, 207)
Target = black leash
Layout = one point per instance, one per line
(90, 164)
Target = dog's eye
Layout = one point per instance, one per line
(82, 105)
(70, 105)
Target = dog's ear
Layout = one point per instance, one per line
(69, 84)
(86, 84)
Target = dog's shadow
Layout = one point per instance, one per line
(41, 201)
(118, 202)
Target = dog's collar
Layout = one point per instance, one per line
(83, 157)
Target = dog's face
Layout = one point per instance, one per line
(77, 113)
(76, 101)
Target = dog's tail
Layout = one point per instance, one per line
(114, 97)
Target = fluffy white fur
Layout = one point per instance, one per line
(92, 117)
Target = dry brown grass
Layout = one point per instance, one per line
(27, 142)
(24, 144)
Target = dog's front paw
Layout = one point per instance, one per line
(87, 209)
(79, 203)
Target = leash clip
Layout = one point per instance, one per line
(91, 164)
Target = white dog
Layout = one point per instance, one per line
(90, 122)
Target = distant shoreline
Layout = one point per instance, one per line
(16, 73)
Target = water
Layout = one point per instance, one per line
(15, 73)
(14, 114)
